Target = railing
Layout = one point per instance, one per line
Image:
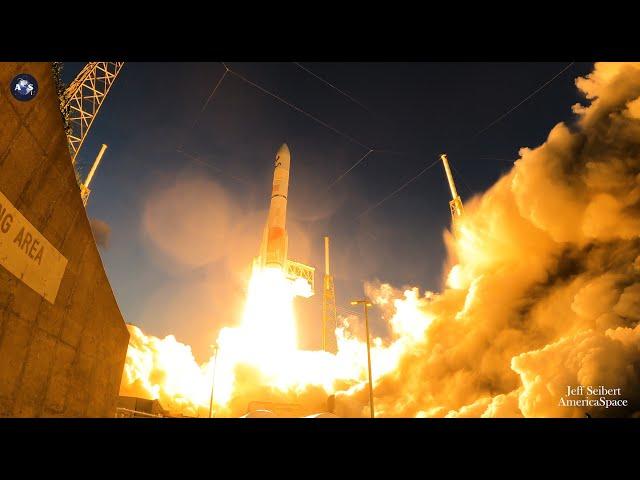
(127, 413)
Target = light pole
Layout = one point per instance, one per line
(213, 379)
(367, 304)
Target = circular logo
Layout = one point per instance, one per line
(24, 87)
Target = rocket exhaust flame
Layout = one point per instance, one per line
(544, 297)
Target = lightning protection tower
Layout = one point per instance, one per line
(455, 205)
(84, 187)
(329, 318)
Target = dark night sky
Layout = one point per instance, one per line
(415, 109)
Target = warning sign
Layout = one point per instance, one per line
(27, 254)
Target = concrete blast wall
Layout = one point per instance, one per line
(63, 340)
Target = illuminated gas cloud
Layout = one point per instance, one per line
(542, 293)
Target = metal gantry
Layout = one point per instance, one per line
(83, 99)
(300, 270)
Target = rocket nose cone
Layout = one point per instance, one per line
(283, 157)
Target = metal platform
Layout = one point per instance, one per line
(300, 270)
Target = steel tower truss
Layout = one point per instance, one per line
(83, 99)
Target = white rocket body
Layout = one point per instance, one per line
(273, 251)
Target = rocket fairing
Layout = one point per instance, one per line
(273, 251)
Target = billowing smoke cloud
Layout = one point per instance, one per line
(542, 294)
(165, 369)
(545, 293)
(101, 232)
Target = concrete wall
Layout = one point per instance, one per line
(63, 359)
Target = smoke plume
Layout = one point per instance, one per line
(101, 232)
(545, 292)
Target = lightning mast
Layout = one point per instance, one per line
(84, 187)
(455, 204)
(329, 343)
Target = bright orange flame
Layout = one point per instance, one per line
(267, 336)
(266, 342)
(268, 324)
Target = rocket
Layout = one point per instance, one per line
(273, 250)
(275, 241)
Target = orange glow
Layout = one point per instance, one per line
(265, 343)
